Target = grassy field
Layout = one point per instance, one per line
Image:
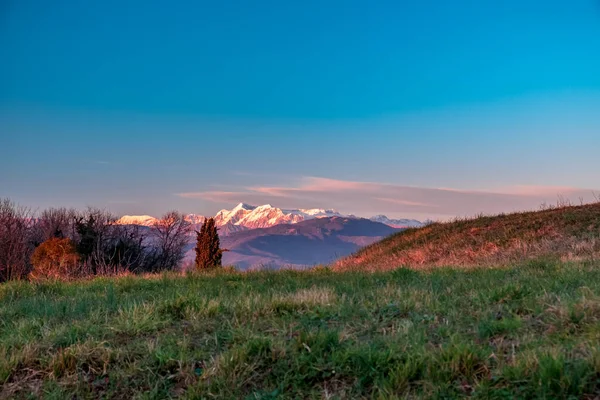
(528, 331)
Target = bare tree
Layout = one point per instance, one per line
(170, 235)
(54, 222)
(15, 243)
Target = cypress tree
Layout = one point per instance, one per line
(201, 250)
(208, 251)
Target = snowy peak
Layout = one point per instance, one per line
(145, 220)
(264, 207)
(266, 216)
(243, 206)
(195, 219)
(234, 216)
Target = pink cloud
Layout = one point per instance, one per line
(273, 191)
(216, 196)
(313, 185)
(405, 202)
(326, 184)
(533, 190)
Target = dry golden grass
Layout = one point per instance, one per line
(569, 233)
(312, 296)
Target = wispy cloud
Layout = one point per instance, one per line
(531, 190)
(365, 198)
(405, 202)
(214, 195)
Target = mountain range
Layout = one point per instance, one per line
(270, 236)
(305, 243)
(244, 216)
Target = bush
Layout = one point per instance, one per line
(55, 258)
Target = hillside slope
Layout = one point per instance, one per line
(567, 233)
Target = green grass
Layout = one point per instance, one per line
(529, 331)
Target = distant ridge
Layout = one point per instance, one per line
(245, 216)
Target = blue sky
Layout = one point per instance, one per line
(141, 107)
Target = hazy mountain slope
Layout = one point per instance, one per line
(305, 243)
(566, 233)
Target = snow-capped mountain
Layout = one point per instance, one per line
(148, 220)
(319, 212)
(267, 215)
(195, 219)
(252, 217)
(245, 216)
(267, 235)
(144, 220)
(397, 223)
(233, 216)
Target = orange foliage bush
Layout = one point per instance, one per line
(55, 259)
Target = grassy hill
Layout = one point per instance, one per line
(531, 331)
(565, 233)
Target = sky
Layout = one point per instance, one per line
(421, 109)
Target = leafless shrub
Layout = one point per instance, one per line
(170, 235)
(15, 244)
(54, 222)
